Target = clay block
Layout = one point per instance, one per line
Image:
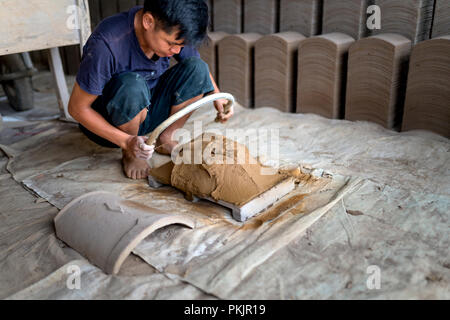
(441, 20)
(275, 70)
(260, 16)
(322, 63)
(427, 104)
(105, 228)
(410, 18)
(236, 55)
(208, 52)
(376, 75)
(346, 16)
(303, 16)
(228, 16)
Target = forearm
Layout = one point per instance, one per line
(216, 88)
(95, 123)
(222, 114)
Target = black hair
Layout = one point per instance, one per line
(190, 16)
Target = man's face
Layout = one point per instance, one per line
(161, 42)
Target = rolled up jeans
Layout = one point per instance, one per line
(127, 94)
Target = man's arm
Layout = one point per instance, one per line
(189, 51)
(80, 109)
(220, 103)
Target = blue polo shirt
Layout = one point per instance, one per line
(113, 48)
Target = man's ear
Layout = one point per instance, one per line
(148, 21)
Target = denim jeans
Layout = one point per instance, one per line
(127, 94)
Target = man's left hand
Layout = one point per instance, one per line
(222, 114)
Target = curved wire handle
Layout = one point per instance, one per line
(194, 106)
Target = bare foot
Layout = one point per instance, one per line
(133, 167)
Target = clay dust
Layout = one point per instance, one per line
(272, 213)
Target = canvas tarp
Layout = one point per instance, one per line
(383, 201)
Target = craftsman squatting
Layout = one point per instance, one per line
(124, 87)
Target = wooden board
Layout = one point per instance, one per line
(261, 202)
(410, 18)
(441, 20)
(208, 52)
(303, 16)
(84, 23)
(37, 24)
(376, 77)
(228, 16)
(275, 70)
(59, 81)
(322, 66)
(236, 66)
(346, 16)
(260, 16)
(427, 104)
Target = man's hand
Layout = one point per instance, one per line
(223, 114)
(137, 147)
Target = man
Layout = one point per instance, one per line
(124, 88)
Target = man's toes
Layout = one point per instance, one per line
(138, 174)
(142, 174)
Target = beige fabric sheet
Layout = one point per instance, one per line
(383, 201)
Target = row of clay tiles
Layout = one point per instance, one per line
(417, 20)
(337, 77)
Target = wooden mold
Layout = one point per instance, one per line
(427, 104)
(375, 80)
(228, 16)
(260, 16)
(275, 70)
(249, 209)
(346, 16)
(322, 65)
(258, 204)
(236, 62)
(410, 18)
(303, 16)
